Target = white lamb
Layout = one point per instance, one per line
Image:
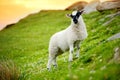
(67, 39)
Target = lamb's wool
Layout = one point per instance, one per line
(67, 39)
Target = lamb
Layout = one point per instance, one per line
(67, 39)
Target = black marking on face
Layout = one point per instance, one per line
(75, 17)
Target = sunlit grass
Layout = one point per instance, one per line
(26, 44)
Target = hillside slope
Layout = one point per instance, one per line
(26, 44)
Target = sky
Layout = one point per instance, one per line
(13, 10)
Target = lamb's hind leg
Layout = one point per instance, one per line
(52, 58)
(49, 62)
(54, 62)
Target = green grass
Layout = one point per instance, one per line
(26, 44)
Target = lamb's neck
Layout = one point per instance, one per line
(74, 25)
(79, 27)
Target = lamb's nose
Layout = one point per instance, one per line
(75, 21)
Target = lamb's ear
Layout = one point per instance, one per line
(81, 11)
(68, 15)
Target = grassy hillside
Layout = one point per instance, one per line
(25, 44)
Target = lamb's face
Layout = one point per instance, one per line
(75, 16)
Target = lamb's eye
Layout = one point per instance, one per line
(77, 17)
(78, 14)
(72, 16)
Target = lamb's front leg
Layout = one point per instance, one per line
(50, 60)
(71, 53)
(49, 63)
(78, 50)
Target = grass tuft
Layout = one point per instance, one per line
(8, 70)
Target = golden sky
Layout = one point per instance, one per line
(12, 10)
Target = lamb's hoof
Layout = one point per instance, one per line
(48, 69)
(77, 56)
(55, 66)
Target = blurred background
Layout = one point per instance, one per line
(13, 10)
